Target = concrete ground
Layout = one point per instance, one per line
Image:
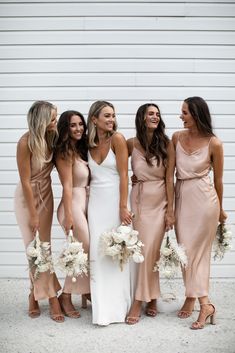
(163, 334)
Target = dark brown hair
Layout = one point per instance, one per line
(200, 112)
(158, 146)
(64, 145)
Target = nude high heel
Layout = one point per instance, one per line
(85, 298)
(201, 324)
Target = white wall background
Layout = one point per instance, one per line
(72, 53)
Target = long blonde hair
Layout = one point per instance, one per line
(94, 111)
(41, 141)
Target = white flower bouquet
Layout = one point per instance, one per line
(72, 260)
(39, 256)
(222, 242)
(122, 244)
(172, 257)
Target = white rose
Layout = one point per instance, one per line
(138, 258)
(31, 252)
(119, 237)
(166, 251)
(132, 239)
(124, 229)
(75, 247)
(113, 250)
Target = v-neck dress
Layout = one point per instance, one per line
(110, 287)
(197, 216)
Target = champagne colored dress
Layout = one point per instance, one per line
(47, 285)
(197, 215)
(110, 287)
(80, 227)
(148, 202)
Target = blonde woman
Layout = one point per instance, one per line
(34, 199)
(107, 208)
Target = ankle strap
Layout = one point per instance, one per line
(206, 304)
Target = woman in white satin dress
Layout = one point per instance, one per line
(107, 208)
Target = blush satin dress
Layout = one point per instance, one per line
(197, 214)
(80, 173)
(148, 203)
(47, 285)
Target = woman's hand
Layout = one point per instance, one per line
(125, 216)
(34, 223)
(223, 216)
(170, 220)
(67, 224)
(134, 180)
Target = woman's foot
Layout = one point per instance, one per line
(55, 310)
(67, 306)
(151, 308)
(187, 308)
(134, 314)
(207, 311)
(34, 310)
(85, 298)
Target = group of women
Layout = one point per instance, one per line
(93, 170)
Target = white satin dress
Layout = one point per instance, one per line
(110, 287)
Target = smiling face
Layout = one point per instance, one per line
(76, 127)
(105, 120)
(152, 117)
(187, 118)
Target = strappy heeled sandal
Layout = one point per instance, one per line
(57, 317)
(74, 314)
(184, 314)
(33, 313)
(197, 325)
(150, 311)
(132, 320)
(85, 297)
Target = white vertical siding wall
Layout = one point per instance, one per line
(72, 53)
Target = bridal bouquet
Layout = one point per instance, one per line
(122, 244)
(39, 256)
(172, 256)
(222, 242)
(72, 260)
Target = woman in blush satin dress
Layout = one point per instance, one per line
(107, 208)
(152, 165)
(34, 199)
(71, 163)
(198, 203)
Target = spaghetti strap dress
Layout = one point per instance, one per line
(197, 215)
(47, 285)
(80, 178)
(110, 287)
(148, 203)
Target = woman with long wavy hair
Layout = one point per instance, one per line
(71, 163)
(152, 160)
(199, 205)
(34, 199)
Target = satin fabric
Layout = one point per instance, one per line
(197, 214)
(148, 203)
(47, 285)
(80, 175)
